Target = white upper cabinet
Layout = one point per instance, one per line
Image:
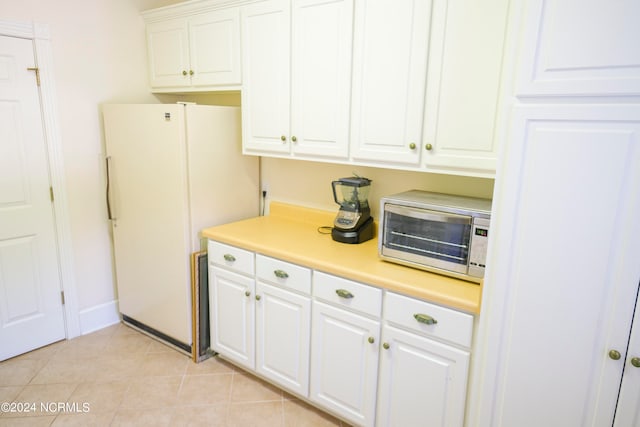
(199, 52)
(391, 47)
(575, 51)
(321, 77)
(168, 53)
(214, 47)
(464, 87)
(427, 84)
(411, 85)
(296, 73)
(265, 72)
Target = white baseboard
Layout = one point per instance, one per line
(98, 317)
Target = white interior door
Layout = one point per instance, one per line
(31, 312)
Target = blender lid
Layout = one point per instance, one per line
(355, 181)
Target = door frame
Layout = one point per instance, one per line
(40, 35)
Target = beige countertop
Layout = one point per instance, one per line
(290, 233)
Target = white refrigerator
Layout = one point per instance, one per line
(172, 170)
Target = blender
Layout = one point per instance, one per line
(354, 223)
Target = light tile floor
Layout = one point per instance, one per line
(120, 377)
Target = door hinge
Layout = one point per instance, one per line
(51, 193)
(37, 70)
(62, 296)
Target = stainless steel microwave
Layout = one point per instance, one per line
(437, 232)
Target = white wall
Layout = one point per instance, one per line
(309, 183)
(99, 56)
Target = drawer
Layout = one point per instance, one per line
(231, 257)
(347, 293)
(451, 325)
(283, 273)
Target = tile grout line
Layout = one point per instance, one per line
(227, 412)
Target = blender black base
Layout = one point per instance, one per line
(362, 234)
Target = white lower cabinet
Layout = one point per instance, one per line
(422, 382)
(261, 322)
(369, 357)
(232, 316)
(283, 326)
(344, 362)
(424, 364)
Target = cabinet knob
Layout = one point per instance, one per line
(184, 72)
(191, 72)
(229, 257)
(635, 361)
(258, 297)
(425, 318)
(283, 138)
(371, 340)
(428, 147)
(614, 354)
(386, 346)
(247, 293)
(294, 139)
(412, 146)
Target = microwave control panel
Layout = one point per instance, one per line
(479, 242)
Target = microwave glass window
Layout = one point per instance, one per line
(434, 239)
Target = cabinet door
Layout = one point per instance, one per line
(596, 54)
(568, 205)
(344, 363)
(283, 326)
(422, 382)
(168, 53)
(391, 46)
(214, 47)
(265, 77)
(463, 89)
(321, 77)
(628, 410)
(232, 316)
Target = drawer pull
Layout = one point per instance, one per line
(343, 293)
(229, 257)
(280, 274)
(424, 318)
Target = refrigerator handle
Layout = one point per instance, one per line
(109, 212)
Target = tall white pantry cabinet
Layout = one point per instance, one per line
(558, 345)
